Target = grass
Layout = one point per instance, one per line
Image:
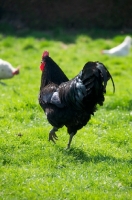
(98, 165)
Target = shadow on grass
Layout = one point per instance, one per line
(3, 84)
(79, 155)
(60, 34)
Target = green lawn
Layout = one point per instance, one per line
(99, 164)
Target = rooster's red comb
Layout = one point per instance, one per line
(46, 53)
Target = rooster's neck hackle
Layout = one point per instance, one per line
(52, 73)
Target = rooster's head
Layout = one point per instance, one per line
(45, 54)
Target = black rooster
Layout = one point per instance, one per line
(71, 102)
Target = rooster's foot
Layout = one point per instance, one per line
(52, 135)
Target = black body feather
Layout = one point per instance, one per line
(72, 102)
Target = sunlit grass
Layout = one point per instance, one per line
(98, 165)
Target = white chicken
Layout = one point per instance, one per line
(120, 50)
(7, 70)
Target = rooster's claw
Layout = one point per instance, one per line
(52, 136)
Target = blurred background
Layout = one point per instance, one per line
(73, 14)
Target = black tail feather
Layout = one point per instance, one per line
(106, 75)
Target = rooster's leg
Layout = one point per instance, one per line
(70, 139)
(52, 135)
